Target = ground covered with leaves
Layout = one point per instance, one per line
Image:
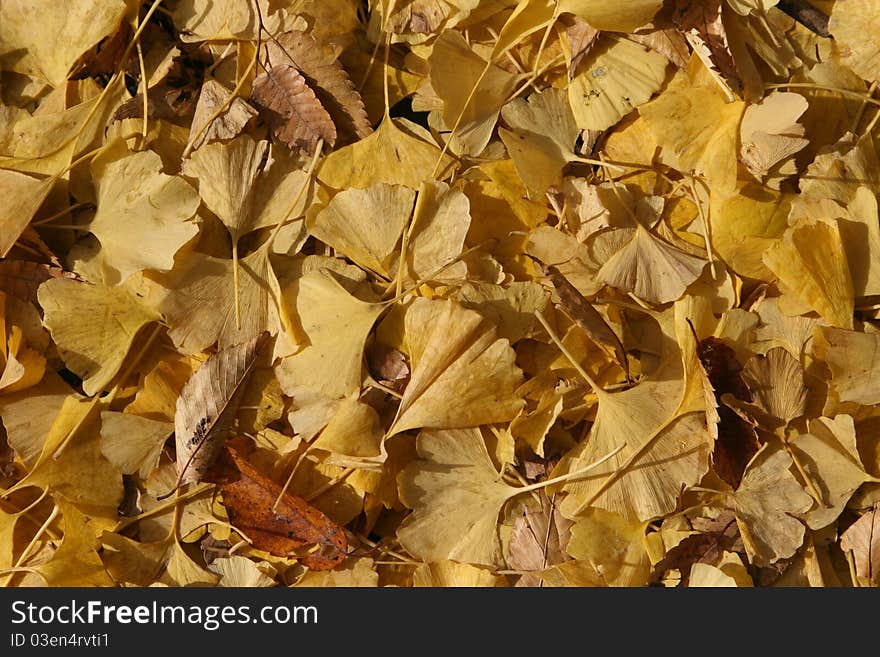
(439, 293)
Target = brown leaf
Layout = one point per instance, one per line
(737, 441)
(588, 318)
(712, 539)
(326, 77)
(388, 366)
(283, 530)
(538, 540)
(292, 110)
(863, 540)
(207, 407)
(21, 278)
(702, 27)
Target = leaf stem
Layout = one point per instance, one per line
(577, 366)
(571, 475)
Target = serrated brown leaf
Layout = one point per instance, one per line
(538, 540)
(283, 530)
(207, 407)
(327, 78)
(704, 30)
(292, 110)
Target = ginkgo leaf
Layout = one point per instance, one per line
(437, 234)
(862, 540)
(326, 77)
(456, 495)
(663, 452)
(771, 136)
(776, 383)
(696, 130)
(860, 232)
(143, 215)
(830, 458)
(96, 347)
(766, 501)
(76, 561)
(336, 325)
(133, 443)
(450, 573)
(226, 173)
(614, 546)
(199, 303)
(241, 572)
(365, 225)
(706, 575)
(292, 110)
(511, 308)
(147, 563)
(228, 124)
(25, 194)
(454, 352)
(353, 437)
(28, 415)
(542, 137)
(618, 76)
(649, 267)
(853, 24)
(473, 91)
(209, 20)
(388, 155)
(207, 407)
(76, 26)
(810, 259)
(353, 572)
(854, 361)
(623, 16)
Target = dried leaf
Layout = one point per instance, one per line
(862, 540)
(283, 530)
(292, 110)
(207, 407)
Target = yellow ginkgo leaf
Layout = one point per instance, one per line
(133, 443)
(353, 437)
(455, 352)
(24, 194)
(542, 137)
(830, 458)
(771, 136)
(614, 546)
(437, 234)
(621, 16)
(143, 215)
(811, 261)
(388, 155)
(76, 26)
(365, 225)
(147, 563)
(336, 325)
(854, 25)
(649, 267)
(28, 415)
(766, 502)
(697, 131)
(76, 561)
(456, 495)
(854, 361)
(94, 326)
(618, 76)
(451, 573)
(226, 172)
(200, 301)
(473, 91)
(241, 572)
(707, 575)
(352, 572)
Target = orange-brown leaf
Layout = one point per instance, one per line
(285, 531)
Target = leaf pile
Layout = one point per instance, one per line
(439, 293)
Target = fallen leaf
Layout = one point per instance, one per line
(862, 540)
(207, 407)
(285, 529)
